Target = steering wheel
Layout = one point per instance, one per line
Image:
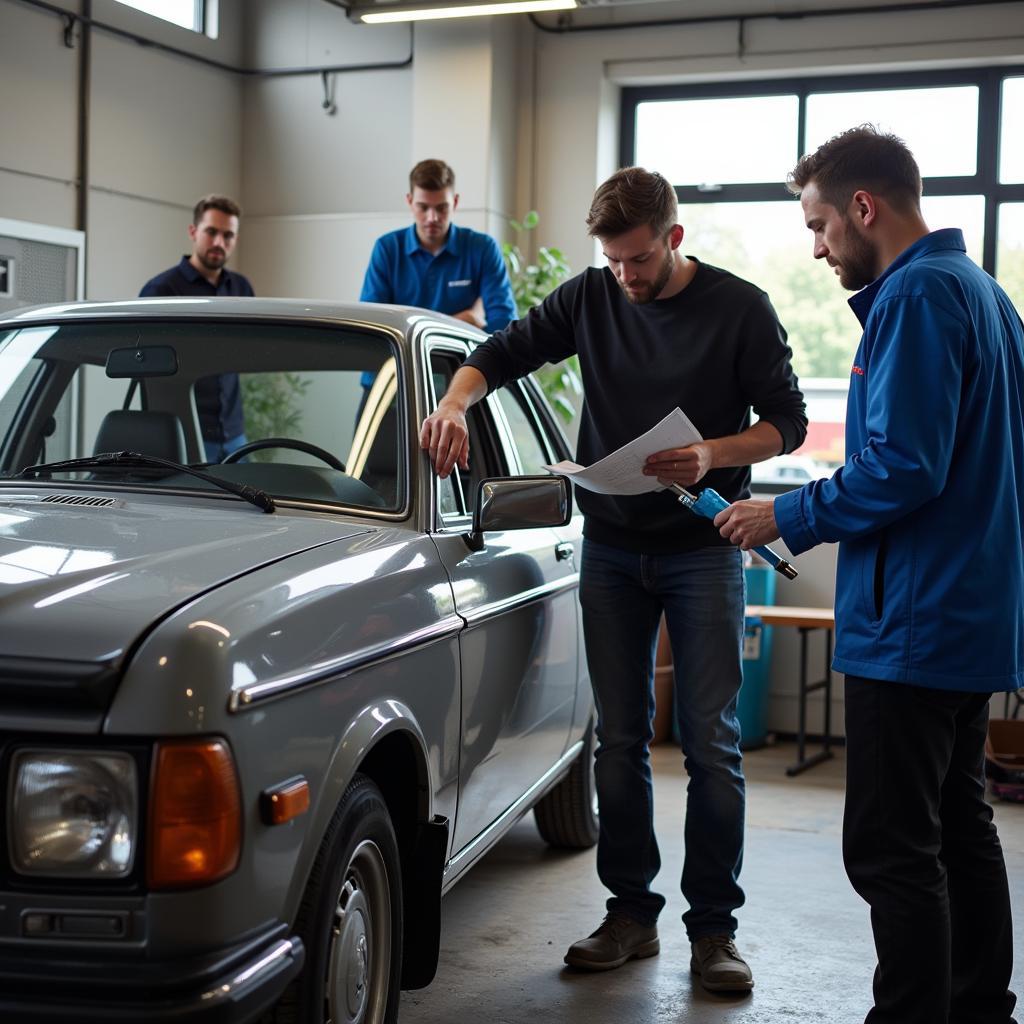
(284, 442)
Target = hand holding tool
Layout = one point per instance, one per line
(709, 503)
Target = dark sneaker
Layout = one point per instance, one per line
(619, 939)
(719, 964)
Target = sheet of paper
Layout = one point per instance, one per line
(621, 472)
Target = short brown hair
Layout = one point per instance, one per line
(630, 197)
(431, 176)
(861, 158)
(214, 202)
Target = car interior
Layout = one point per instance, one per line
(321, 406)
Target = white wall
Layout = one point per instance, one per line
(163, 131)
(37, 168)
(318, 189)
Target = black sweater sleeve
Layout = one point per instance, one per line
(547, 334)
(766, 376)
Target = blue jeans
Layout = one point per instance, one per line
(623, 595)
(216, 450)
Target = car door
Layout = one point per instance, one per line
(518, 650)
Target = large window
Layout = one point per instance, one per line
(727, 148)
(190, 14)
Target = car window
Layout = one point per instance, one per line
(457, 494)
(533, 455)
(319, 406)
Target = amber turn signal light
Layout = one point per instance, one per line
(285, 801)
(195, 814)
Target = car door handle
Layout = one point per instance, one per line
(563, 551)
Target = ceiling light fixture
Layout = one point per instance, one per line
(377, 14)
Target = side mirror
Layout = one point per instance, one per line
(519, 503)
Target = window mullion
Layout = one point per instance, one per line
(989, 97)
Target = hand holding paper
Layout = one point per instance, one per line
(622, 472)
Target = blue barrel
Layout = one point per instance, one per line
(752, 707)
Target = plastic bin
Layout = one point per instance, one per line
(752, 707)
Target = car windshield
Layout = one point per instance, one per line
(315, 407)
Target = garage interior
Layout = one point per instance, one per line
(312, 121)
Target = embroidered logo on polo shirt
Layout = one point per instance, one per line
(460, 284)
(857, 370)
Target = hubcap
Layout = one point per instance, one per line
(359, 959)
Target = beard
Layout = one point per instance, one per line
(859, 265)
(654, 289)
(212, 261)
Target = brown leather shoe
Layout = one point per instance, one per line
(619, 939)
(719, 964)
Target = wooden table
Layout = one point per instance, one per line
(806, 620)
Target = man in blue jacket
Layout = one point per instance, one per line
(929, 513)
(436, 265)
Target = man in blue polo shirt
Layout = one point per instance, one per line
(930, 581)
(214, 232)
(436, 265)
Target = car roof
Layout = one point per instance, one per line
(399, 318)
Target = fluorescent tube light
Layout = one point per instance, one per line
(426, 12)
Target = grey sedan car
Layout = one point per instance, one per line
(257, 715)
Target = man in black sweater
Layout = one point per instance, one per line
(655, 330)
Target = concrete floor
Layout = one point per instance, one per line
(803, 930)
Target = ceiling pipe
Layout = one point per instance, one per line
(565, 26)
(334, 69)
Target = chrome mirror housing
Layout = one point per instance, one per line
(519, 503)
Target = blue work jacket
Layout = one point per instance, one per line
(929, 507)
(470, 266)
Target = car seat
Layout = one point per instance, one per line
(143, 431)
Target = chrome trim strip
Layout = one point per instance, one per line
(254, 973)
(449, 626)
(475, 616)
(459, 862)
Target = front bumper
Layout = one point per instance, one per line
(232, 986)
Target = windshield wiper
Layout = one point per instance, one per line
(128, 459)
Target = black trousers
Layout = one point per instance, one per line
(920, 847)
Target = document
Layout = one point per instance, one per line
(621, 472)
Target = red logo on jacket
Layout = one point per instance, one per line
(857, 370)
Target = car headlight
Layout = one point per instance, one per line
(73, 814)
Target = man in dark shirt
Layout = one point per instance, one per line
(214, 232)
(653, 331)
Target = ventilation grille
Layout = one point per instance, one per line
(78, 499)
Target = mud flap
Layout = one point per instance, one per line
(421, 896)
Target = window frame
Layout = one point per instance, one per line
(984, 182)
(200, 13)
(516, 392)
(486, 420)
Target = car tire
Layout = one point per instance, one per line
(350, 920)
(567, 816)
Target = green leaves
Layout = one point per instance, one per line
(531, 282)
(273, 407)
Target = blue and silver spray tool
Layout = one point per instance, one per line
(709, 503)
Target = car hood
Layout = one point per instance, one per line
(81, 583)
